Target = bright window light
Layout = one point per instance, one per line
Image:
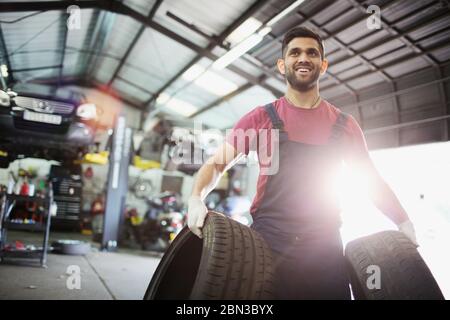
(244, 30)
(210, 81)
(163, 98)
(182, 107)
(176, 105)
(419, 176)
(193, 72)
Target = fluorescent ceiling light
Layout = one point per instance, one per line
(193, 72)
(181, 107)
(283, 13)
(176, 105)
(240, 49)
(163, 98)
(210, 81)
(244, 30)
(215, 84)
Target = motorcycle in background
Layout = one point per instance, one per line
(163, 221)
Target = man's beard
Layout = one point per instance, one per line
(302, 85)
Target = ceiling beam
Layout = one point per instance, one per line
(381, 42)
(232, 94)
(65, 30)
(394, 62)
(100, 40)
(134, 41)
(135, 85)
(257, 5)
(37, 68)
(393, 31)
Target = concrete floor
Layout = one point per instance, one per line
(103, 275)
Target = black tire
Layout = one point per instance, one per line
(404, 274)
(230, 262)
(72, 247)
(175, 275)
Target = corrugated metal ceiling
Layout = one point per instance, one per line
(140, 62)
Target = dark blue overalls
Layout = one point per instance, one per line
(299, 217)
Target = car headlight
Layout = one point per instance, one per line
(87, 111)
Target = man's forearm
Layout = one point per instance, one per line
(207, 178)
(387, 202)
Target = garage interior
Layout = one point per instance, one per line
(111, 94)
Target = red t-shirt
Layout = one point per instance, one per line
(311, 126)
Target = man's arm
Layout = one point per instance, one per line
(384, 198)
(207, 178)
(381, 194)
(212, 170)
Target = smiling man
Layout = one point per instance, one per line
(295, 208)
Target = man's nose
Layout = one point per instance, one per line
(303, 57)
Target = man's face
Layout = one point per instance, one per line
(302, 64)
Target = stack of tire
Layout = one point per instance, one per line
(233, 262)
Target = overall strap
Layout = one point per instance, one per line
(277, 123)
(338, 127)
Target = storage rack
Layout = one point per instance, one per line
(8, 201)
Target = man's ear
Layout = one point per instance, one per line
(281, 66)
(323, 67)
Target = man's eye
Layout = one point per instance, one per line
(313, 53)
(295, 53)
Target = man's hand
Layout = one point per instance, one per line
(196, 215)
(407, 228)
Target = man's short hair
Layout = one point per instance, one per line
(302, 32)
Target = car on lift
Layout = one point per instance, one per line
(44, 123)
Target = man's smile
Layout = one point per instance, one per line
(303, 70)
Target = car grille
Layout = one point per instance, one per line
(33, 103)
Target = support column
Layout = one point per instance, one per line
(117, 186)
